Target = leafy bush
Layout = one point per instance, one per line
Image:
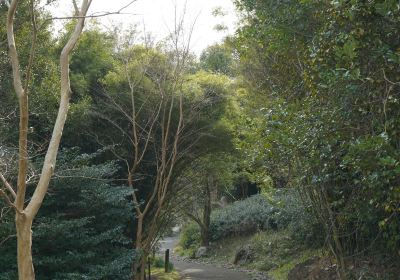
(159, 262)
(333, 125)
(283, 211)
(190, 239)
(246, 216)
(81, 231)
(295, 216)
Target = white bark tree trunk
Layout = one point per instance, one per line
(25, 215)
(24, 247)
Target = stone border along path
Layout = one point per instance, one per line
(192, 270)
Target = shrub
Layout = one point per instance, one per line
(294, 215)
(243, 217)
(284, 210)
(190, 239)
(159, 262)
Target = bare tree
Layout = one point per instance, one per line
(155, 133)
(202, 214)
(16, 197)
(201, 182)
(157, 137)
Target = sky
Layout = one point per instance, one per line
(158, 16)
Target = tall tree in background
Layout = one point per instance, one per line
(204, 180)
(25, 214)
(160, 115)
(145, 97)
(218, 59)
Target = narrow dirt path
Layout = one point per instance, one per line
(196, 271)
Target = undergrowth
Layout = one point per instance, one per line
(273, 252)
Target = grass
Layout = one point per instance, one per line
(159, 274)
(281, 272)
(224, 250)
(277, 253)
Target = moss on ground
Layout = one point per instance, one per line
(277, 253)
(274, 252)
(159, 274)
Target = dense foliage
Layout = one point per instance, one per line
(84, 221)
(302, 103)
(326, 76)
(87, 224)
(259, 213)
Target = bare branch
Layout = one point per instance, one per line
(8, 201)
(33, 46)
(8, 186)
(95, 15)
(7, 238)
(23, 107)
(389, 81)
(76, 8)
(51, 155)
(13, 50)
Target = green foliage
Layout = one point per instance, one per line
(243, 217)
(315, 108)
(282, 211)
(44, 82)
(92, 60)
(209, 173)
(321, 86)
(217, 59)
(159, 262)
(82, 229)
(190, 239)
(294, 215)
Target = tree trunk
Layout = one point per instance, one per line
(24, 217)
(205, 228)
(24, 248)
(140, 268)
(143, 268)
(139, 265)
(205, 237)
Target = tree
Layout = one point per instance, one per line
(204, 180)
(83, 228)
(93, 58)
(324, 84)
(24, 215)
(162, 116)
(218, 59)
(44, 77)
(210, 165)
(144, 96)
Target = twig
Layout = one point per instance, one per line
(90, 16)
(8, 201)
(7, 238)
(98, 14)
(8, 186)
(33, 46)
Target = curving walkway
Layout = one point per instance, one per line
(196, 271)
